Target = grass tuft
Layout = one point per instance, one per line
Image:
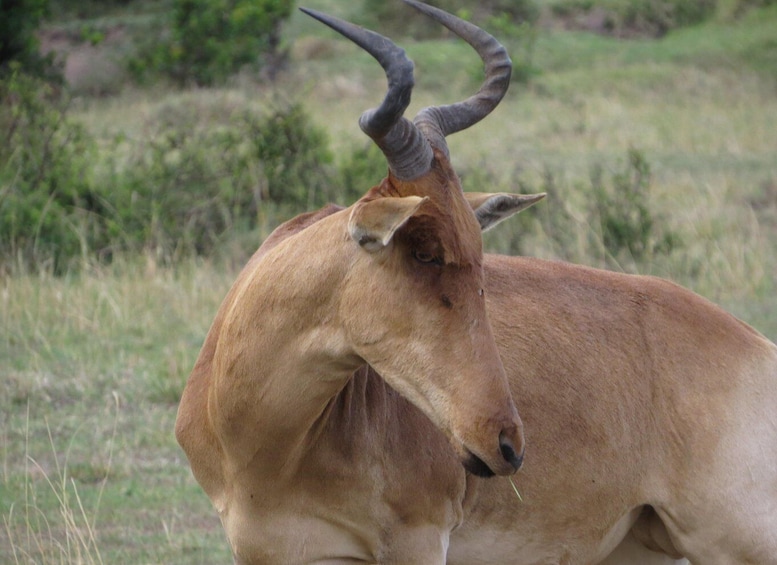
(68, 536)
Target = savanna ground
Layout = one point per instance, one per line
(92, 363)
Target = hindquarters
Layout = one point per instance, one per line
(718, 503)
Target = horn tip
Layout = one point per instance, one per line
(312, 13)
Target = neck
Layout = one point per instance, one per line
(282, 354)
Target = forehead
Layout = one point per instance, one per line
(445, 219)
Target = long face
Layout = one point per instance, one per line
(414, 309)
(413, 304)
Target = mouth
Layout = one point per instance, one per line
(475, 465)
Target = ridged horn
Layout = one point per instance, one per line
(408, 153)
(437, 122)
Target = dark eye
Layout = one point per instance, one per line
(425, 257)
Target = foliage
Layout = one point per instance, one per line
(292, 153)
(19, 20)
(736, 8)
(358, 171)
(211, 40)
(194, 177)
(616, 217)
(190, 182)
(623, 18)
(627, 225)
(519, 12)
(47, 201)
(61, 10)
(522, 40)
(393, 18)
(175, 191)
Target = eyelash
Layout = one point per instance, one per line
(426, 258)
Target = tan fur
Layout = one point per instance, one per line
(258, 416)
(646, 408)
(640, 400)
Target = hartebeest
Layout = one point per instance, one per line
(358, 359)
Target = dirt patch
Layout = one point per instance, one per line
(92, 67)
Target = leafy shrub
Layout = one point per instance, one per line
(292, 153)
(187, 185)
(49, 210)
(210, 40)
(394, 18)
(191, 180)
(615, 221)
(358, 171)
(522, 38)
(628, 227)
(195, 177)
(623, 18)
(657, 17)
(519, 12)
(744, 5)
(88, 9)
(19, 21)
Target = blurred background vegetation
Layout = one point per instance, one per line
(148, 146)
(198, 173)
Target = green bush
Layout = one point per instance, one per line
(519, 12)
(89, 9)
(392, 18)
(210, 40)
(623, 18)
(192, 182)
(628, 227)
(193, 179)
(197, 177)
(19, 22)
(49, 210)
(292, 153)
(357, 171)
(521, 39)
(657, 17)
(614, 221)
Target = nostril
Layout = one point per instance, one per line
(508, 452)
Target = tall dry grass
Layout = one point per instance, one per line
(93, 365)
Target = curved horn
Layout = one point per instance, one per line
(408, 153)
(437, 122)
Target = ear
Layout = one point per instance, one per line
(490, 209)
(373, 222)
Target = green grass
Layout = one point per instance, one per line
(92, 364)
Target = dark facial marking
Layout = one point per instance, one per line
(446, 301)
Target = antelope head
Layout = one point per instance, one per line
(413, 304)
